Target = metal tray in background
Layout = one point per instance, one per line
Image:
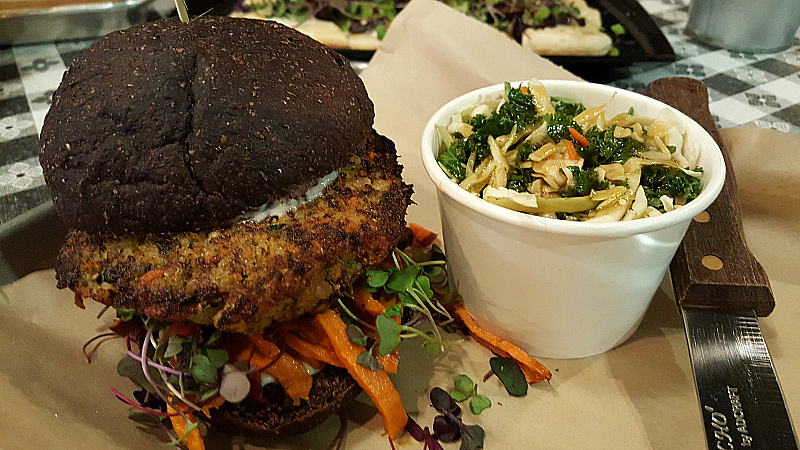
(69, 22)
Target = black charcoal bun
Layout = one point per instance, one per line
(332, 388)
(173, 126)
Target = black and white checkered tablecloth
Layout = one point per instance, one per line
(28, 77)
(749, 89)
(745, 89)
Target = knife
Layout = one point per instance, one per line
(721, 290)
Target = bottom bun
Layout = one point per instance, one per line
(332, 388)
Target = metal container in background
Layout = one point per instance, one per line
(753, 26)
(69, 22)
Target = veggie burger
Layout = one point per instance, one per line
(221, 180)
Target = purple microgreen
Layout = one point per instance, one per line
(149, 400)
(415, 430)
(177, 393)
(488, 375)
(355, 335)
(443, 403)
(86, 345)
(446, 429)
(131, 368)
(143, 360)
(472, 437)
(139, 407)
(430, 442)
(157, 366)
(367, 359)
(508, 371)
(103, 311)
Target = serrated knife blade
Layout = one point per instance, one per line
(721, 290)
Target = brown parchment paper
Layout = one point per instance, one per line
(639, 395)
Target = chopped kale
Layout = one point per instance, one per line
(567, 106)
(585, 182)
(519, 179)
(658, 180)
(558, 125)
(524, 150)
(520, 109)
(604, 148)
(449, 160)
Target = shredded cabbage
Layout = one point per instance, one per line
(551, 156)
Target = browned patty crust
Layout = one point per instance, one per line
(246, 276)
(173, 126)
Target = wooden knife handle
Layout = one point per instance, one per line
(713, 268)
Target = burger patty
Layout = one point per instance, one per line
(244, 277)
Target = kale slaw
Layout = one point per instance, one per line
(555, 158)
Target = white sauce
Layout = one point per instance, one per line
(283, 206)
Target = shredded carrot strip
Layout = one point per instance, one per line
(364, 301)
(534, 371)
(422, 236)
(389, 362)
(292, 375)
(523, 89)
(179, 329)
(571, 152)
(376, 383)
(267, 348)
(261, 360)
(579, 138)
(311, 350)
(531, 375)
(194, 441)
(152, 275)
(214, 402)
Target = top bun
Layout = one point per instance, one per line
(174, 126)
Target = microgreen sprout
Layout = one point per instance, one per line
(466, 389)
(419, 286)
(409, 281)
(508, 371)
(448, 426)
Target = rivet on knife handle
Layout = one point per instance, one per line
(713, 267)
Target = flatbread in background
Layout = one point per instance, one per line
(323, 31)
(572, 39)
